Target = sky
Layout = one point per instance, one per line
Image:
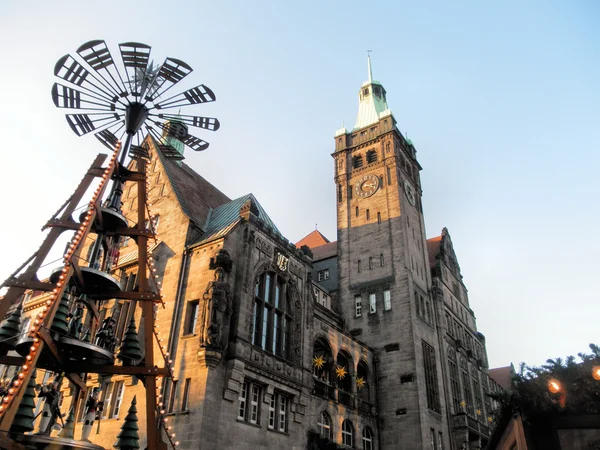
(501, 100)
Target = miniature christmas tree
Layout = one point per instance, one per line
(9, 331)
(130, 352)
(59, 324)
(68, 431)
(128, 438)
(24, 417)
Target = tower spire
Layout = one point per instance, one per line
(369, 65)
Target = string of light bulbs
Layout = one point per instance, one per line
(59, 287)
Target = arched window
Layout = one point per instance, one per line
(322, 360)
(367, 439)
(362, 382)
(271, 315)
(324, 425)
(343, 371)
(347, 433)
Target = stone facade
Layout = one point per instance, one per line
(268, 355)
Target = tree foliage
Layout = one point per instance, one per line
(569, 386)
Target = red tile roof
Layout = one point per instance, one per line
(502, 376)
(312, 240)
(433, 250)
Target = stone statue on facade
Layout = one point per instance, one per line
(217, 304)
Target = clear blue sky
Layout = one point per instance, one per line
(500, 99)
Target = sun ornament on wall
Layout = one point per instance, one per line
(360, 382)
(463, 403)
(340, 372)
(489, 419)
(319, 361)
(478, 412)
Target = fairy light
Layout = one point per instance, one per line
(59, 286)
(163, 349)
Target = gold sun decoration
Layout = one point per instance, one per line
(463, 403)
(490, 420)
(360, 382)
(478, 412)
(319, 361)
(340, 372)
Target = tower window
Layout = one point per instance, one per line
(370, 263)
(378, 217)
(368, 214)
(359, 269)
(381, 260)
(358, 305)
(431, 381)
(339, 193)
(349, 192)
(357, 211)
(389, 174)
(371, 156)
(372, 303)
(357, 161)
(387, 300)
(366, 91)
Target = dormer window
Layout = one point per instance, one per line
(377, 91)
(365, 91)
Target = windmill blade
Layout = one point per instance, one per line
(85, 123)
(68, 97)
(171, 72)
(167, 149)
(97, 55)
(207, 123)
(69, 69)
(108, 138)
(135, 57)
(195, 143)
(194, 96)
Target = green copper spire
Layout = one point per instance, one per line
(372, 103)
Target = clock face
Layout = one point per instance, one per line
(367, 185)
(410, 193)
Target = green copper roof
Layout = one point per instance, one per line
(222, 219)
(372, 104)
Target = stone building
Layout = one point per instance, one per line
(365, 342)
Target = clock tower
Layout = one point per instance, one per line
(384, 278)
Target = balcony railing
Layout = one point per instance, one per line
(346, 398)
(323, 389)
(461, 420)
(363, 406)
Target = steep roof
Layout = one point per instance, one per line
(195, 195)
(313, 239)
(433, 250)
(325, 251)
(502, 376)
(223, 218)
